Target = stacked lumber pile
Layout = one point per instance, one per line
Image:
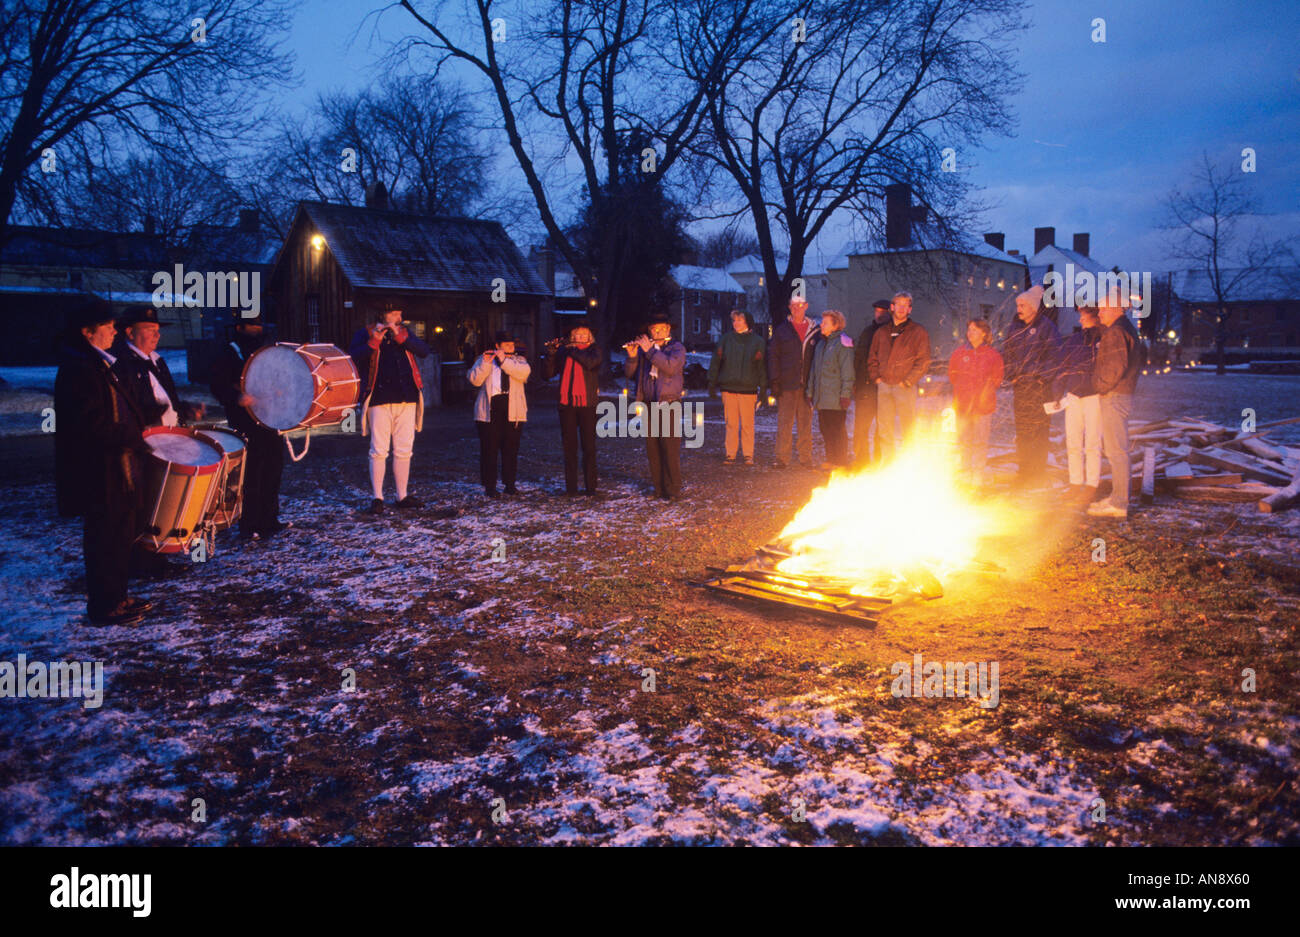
(1196, 460)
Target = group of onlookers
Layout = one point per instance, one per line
(817, 367)
(805, 367)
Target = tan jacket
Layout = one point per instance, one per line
(518, 368)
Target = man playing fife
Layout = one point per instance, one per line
(393, 408)
(1119, 359)
(738, 367)
(656, 363)
(899, 358)
(789, 357)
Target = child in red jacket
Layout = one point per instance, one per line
(975, 371)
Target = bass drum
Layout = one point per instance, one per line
(300, 386)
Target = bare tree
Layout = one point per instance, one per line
(415, 135)
(722, 247)
(1206, 223)
(572, 82)
(827, 103)
(78, 76)
(168, 194)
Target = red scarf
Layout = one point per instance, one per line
(573, 385)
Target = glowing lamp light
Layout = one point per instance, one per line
(591, 302)
(437, 330)
(1172, 334)
(317, 242)
(771, 401)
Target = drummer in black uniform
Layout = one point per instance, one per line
(98, 459)
(264, 461)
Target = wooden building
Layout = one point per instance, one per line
(456, 280)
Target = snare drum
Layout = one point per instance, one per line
(300, 386)
(181, 476)
(228, 501)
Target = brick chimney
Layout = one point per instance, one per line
(248, 220)
(1081, 244)
(898, 215)
(996, 240)
(1044, 237)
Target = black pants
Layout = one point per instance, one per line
(578, 424)
(1033, 427)
(499, 436)
(263, 468)
(665, 454)
(831, 423)
(109, 531)
(864, 414)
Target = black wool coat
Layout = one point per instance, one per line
(98, 446)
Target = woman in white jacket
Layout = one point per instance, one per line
(500, 411)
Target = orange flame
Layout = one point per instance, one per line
(878, 524)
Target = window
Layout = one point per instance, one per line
(1002, 283)
(987, 280)
(693, 297)
(695, 325)
(313, 318)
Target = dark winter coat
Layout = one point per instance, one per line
(98, 441)
(788, 359)
(133, 371)
(899, 354)
(668, 362)
(1119, 358)
(1078, 359)
(587, 360)
(738, 364)
(1032, 352)
(863, 385)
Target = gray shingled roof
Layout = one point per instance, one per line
(381, 249)
(1267, 284)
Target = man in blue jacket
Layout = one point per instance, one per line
(656, 362)
(1031, 352)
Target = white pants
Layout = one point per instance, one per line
(392, 425)
(1083, 439)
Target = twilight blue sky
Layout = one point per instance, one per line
(1104, 131)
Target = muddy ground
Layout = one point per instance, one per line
(506, 701)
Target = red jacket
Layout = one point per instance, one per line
(975, 374)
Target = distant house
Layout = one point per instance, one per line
(748, 272)
(1049, 258)
(704, 297)
(456, 280)
(951, 279)
(47, 272)
(1263, 314)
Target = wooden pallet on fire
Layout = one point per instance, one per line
(791, 592)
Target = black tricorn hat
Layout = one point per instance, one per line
(92, 314)
(134, 315)
(658, 318)
(882, 304)
(503, 335)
